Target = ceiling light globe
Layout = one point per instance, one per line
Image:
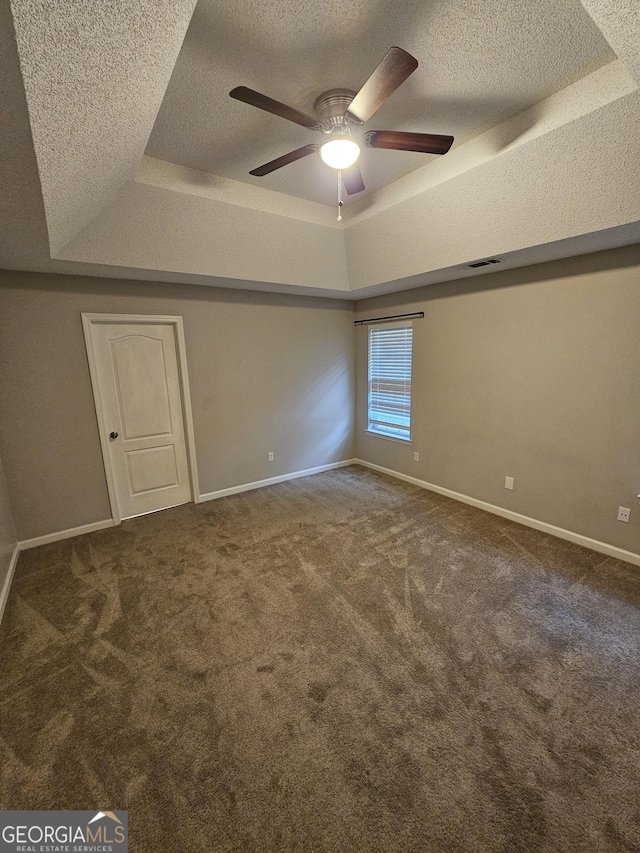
(340, 153)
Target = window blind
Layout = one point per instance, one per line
(389, 407)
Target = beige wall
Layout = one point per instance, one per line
(267, 373)
(7, 531)
(531, 373)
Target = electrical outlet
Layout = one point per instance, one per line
(623, 513)
(270, 456)
(508, 483)
(416, 456)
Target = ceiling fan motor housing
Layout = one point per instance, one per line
(331, 106)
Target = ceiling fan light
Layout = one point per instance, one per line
(340, 153)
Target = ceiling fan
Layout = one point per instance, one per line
(339, 111)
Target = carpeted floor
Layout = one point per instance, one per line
(338, 663)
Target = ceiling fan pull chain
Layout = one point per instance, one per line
(339, 195)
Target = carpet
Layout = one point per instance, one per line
(343, 662)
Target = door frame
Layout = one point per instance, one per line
(89, 321)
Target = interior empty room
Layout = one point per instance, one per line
(319, 426)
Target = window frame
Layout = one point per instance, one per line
(390, 433)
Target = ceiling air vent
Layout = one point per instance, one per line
(485, 263)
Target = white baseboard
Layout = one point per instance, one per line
(25, 544)
(6, 586)
(108, 522)
(560, 532)
(259, 484)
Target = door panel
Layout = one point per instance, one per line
(142, 384)
(153, 468)
(140, 394)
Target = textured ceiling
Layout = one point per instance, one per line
(480, 62)
(94, 81)
(543, 99)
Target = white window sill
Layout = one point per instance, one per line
(388, 437)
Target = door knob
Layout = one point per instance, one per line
(113, 435)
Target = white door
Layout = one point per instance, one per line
(137, 387)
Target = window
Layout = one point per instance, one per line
(389, 407)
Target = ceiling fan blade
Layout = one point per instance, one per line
(399, 140)
(279, 162)
(352, 179)
(394, 69)
(249, 96)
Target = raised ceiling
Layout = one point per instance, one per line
(479, 64)
(123, 155)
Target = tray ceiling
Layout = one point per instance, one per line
(122, 154)
(480, 62)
